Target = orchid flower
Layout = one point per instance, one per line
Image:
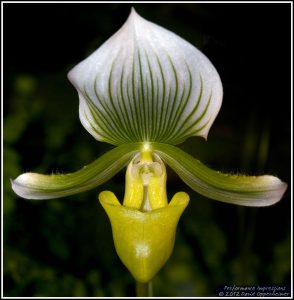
(144, 91)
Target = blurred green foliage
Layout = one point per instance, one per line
(63, 247)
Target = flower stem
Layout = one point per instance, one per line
(144, 289)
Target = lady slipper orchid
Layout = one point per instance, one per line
(145, 90)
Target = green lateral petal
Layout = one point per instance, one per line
(237, 189)
(144, 84)
(39, 186)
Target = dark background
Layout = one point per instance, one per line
(63, 247)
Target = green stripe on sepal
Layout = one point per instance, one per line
(146, 84)
(237, 189)
(39, 186)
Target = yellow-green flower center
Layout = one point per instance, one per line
(144, 227)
